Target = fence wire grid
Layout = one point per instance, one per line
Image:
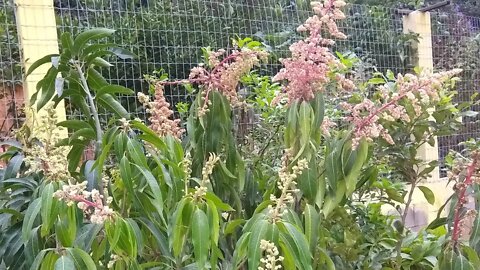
(169, 35)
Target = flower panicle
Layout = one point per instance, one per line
(90, 202)
(42, 154)
(420, 90)
(287, 185)
(207, 170)
(271, 259)
(312, 63)
(160, 114)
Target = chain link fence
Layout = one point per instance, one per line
(169, 35)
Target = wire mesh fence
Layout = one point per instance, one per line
(169, 35)
(456, 44)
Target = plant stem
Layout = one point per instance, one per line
(98, 127)
(403, 218)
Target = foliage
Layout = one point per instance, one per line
(308, 196)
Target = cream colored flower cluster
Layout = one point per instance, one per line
(161, 114)
(90, 202)
(271, 259)
(207, 170)
(287, 185)
(41, 152)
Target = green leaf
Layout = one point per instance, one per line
(328, 261)
(240, 251)
(88, 35)
(95, 79)
(437, 223)
(135, 152)
(38, 260)
(81, 259)
(39, 62)
(100, 62)
(218, 202)
(30, 216)
(214, 220)
(200, 237)
(472, 256)
(66, 41)
(361, 154)
(66, 226)
(376, 81)
(113, 105)
(122, 53)
(48, 211)
(232, 225)
(461, 263)
(86, 235)
(13, 167)
(254, 251)
(74, 124)
(312, 223)
(64, 263)
(156, 192)
(114, 89)
(429, 196)
(47, 88)
(301, 244)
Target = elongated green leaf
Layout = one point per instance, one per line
(254, 251)
(305, 120)
(200, 237)
(113, 105)
(47, 88)
(156, 192)
(218, 202)
(95, 79)
(86, 235)
(81, 259)
(84, 133)
(74, 124)
(67, 41)
(122, 53)
(48, 213)
(241, 249)
(312, 222)
(233, 225)
(39, 62)
(214, 220)
(38, 260)
(65, 263)
(135, 152)
(429, 196)
(114, 89)
(328, 261)
(361, 154)
(88, 35)
(461, 263)
(301, 244)
(13, 167)
(30, 216)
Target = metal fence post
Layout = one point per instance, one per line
(37, 35)
(419, 22)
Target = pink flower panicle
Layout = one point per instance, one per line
(223, 75)
(90, 202)
(465, 173)
(327, 125)
(419, 90)
(161, 114)
(309, 68)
